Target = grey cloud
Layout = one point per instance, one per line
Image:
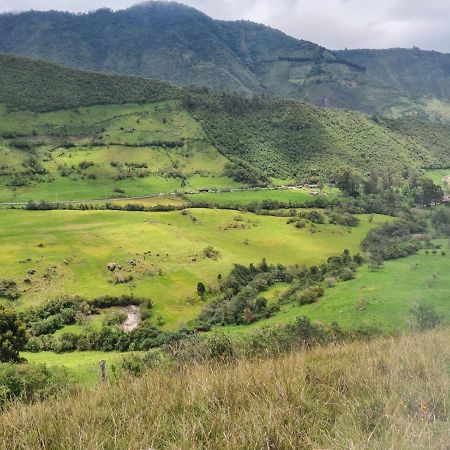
(331, 23)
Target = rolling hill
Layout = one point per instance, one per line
(68, 134)
(172, 42)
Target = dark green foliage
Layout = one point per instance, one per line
(53, 315)
(441, 220)
(28, 382)
(288, 139)
(309, 295)
(395, 239)
(429, 193)
(241, 300)
(245, 173)
(12, 335)
(8, 290)
(24, 84)
(201, 289)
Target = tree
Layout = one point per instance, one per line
(348, 182)
(12, 336)
(201, 289)
(375, 261)
(430, 193)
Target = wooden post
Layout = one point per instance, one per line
(102, 370)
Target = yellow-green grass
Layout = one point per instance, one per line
(245, 197)
(74, 248)
(439, 176)
(381, 299)
(82, 366)
(390, 393)
(147, 202)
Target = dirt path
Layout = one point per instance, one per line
(133, 319)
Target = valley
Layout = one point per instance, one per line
(215, 235)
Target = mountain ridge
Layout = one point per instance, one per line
(176, 43)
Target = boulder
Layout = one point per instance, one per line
(111, 266)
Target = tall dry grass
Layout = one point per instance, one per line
(385, 394)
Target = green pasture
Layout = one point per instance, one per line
(245, 197)
(381, 299)
(82, 366)
(69, 250)
(439, 176)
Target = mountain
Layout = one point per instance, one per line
(173, 42)
(71, 134)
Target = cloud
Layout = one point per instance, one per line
(331, 23)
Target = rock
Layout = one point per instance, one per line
(66, 262)
(111, 266)
(31, 271)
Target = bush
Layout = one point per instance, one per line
(9, 290)
(29, 382)
(425, 316)
(309, 295)
(12, 335)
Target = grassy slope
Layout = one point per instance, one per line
(390, 393)
(381, 299)
(284, 139)
(90, 240)
(105, 134)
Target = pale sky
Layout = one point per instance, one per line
(334, 24)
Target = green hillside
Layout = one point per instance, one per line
(38, 86)
(170, 41)
(290, 139)
(98, 136)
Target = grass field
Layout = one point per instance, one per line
(381, 299)
(82, 366)
(299, 195)
(69, 250)
(439, 176)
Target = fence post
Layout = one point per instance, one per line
(102, 370)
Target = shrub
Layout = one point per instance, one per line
(309, 295)
(29, 382)
(12, 335)
(9, 290)
(425, 316)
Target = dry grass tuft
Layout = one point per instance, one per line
(387, 394)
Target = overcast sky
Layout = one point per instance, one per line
(334, 24)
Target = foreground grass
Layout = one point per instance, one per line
(386, 394)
